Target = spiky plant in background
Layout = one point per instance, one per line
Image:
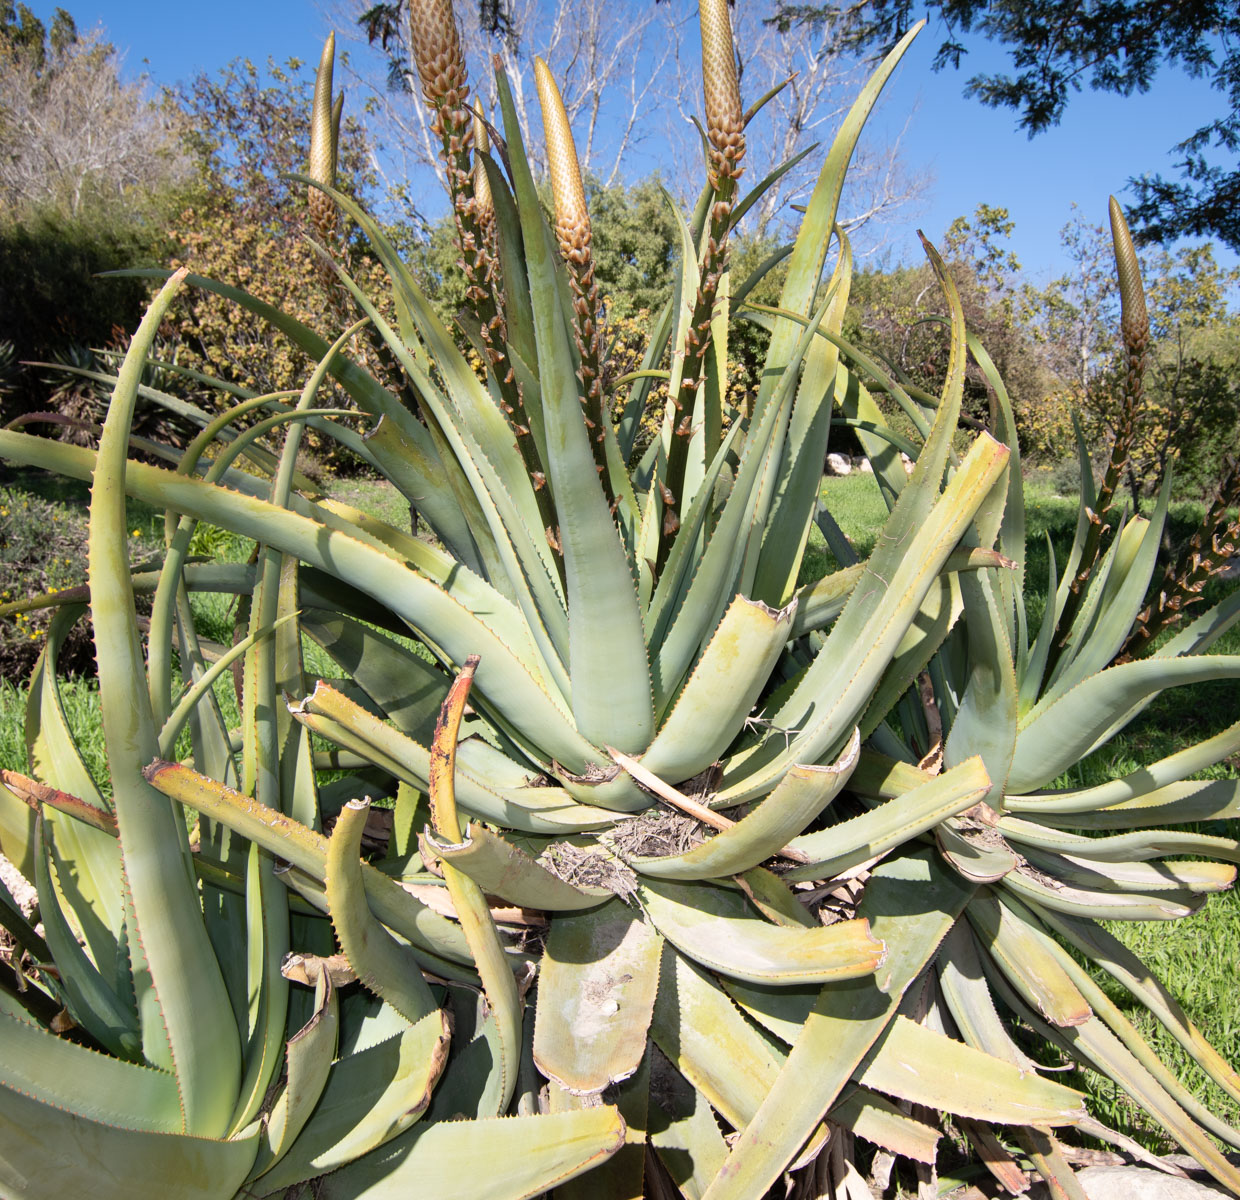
(710, 876)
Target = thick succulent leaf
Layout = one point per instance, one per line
(985, 722)
(371, 1096)
(935, 619)
(504, 870)
(184, 1007)
(612, 702)
(1130, 1037)
(514, 690)
(797, 799)
(310, 1053)
(1174, 804)
(842, 846)
(307, 850)
(880, 1122)
(90, 890)
(1139, 846)
(1055, 736)
(880, 443)
(58, 1073)
(1098, 904)
(785, 531)
(19, 841)
(507, 1158)
(1094, 1043)
(1140, 784)
(827, 699)
(718, 929)
(483, 440)
(513, 541)
(911, 903)
(383, 964)
(491, 785)
(774, 899)
(596, 990)
(1105, 950)
(916, 1064)
(408, 458)
(1033, 668)
(726, 1058)
(677, 636)
(1120, 603)
(813, 238)
(975, 852)
(968, 998)
(47, 1151)
(683, 1129)
(1019, 949)
(721, 690)
(92, 1000)
(625, 1176)
(676, 576)
(1128, 876)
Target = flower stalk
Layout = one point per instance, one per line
(575, 239)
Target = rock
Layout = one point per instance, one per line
(21, 889)
(865, 467)
(907, 463)
(839, 464)
(1136, 1183)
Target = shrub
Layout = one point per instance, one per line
(689, 869)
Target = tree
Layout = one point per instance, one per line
(609, 70)
(617, 62)
(72, 134)
(820, 78)
(249, 226)
(1056, 46)
(89, 168)
(887, 310)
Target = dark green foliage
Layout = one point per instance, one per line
(52, 297)
(635, 249)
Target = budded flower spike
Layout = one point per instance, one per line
(725, 119)
(572, 220)
(324, 137)
(337, 111)
(1134, 317)
(436, 44)
(482, 186)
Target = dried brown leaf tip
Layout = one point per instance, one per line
(725, 119)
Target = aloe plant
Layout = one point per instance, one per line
(673, 840)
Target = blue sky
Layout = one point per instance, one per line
(974, 153)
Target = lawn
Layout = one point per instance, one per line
(1199, 957)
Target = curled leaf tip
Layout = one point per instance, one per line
(155, 768)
